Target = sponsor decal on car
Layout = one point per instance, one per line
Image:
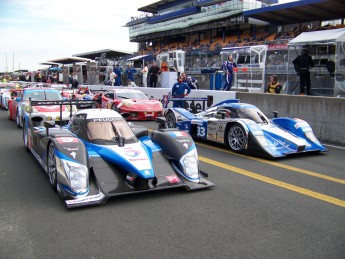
(86, 199)
(108, 119)
(66, 140)
(131, 152)
(173, 179)
(178, 134)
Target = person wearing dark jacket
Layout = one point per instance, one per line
(117, 71)
(228, 68)
(154, 72)
(303, 63)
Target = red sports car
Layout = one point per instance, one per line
(133, 102)
(8, 94)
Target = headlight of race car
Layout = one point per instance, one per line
(190, 164)
(74, 108)
(30, 109)
(77, 176)
(310, 135)
(128, 104)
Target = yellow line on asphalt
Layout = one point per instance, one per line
(292, 168)
(281, 184)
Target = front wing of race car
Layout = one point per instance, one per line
(108, 181)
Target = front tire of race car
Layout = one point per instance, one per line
(237, 138)
(18, 119)
(25, 138)
(170, 120)
(51, 166)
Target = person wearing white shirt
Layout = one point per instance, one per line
(112, 77)
(144, 72)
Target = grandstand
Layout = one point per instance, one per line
(204, 27)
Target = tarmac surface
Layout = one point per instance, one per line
(285, 208)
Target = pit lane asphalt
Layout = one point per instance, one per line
(286, 208)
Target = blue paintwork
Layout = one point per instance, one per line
(277, 137)
(114, 157)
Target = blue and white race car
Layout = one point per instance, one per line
(99, 155)
(245, 129)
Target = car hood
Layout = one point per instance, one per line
(279, 142)
(140, 104)
(132, 157)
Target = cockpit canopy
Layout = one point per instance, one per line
(103, 131)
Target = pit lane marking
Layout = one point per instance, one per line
(278, 183)
(291, 168)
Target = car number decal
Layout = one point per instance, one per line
(201, 132)
(173, 179)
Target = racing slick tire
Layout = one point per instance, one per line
(18, 119)
(236, 138)
(25, 138)
(51, 166)
(170, 120)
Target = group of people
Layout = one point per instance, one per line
(302, 64)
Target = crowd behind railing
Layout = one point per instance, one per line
(245, 39)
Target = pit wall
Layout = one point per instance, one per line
(326, 115)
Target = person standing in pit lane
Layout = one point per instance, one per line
(179, 91)
(117, 71)
(228, 68)
(303, 63)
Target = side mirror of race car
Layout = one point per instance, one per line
(275, 114)
(48, 125)
(161, 122)
(99, 100)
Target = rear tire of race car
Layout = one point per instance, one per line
(236, 138)
(170, 120)
(51, 166)
(25, 138)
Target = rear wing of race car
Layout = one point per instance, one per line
(62, 103)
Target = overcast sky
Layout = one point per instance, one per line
(35, 31)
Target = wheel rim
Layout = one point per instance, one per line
(170, 120)
(51, 165)
(237, 138)
(17, 118)
(25, 136)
